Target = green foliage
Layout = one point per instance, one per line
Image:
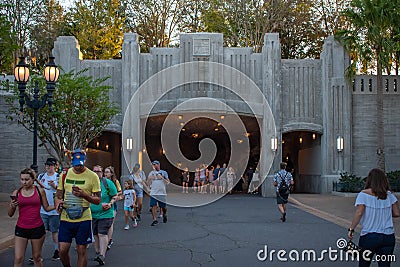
(81, 111)
(350, 183)
(45, 31)
(394, 180)
(368, 36)
(98, 25)
(7, 45)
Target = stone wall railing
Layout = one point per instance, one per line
(366, 84)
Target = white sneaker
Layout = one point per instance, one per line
(126, 227)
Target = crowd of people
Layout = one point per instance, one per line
(80, 204)
(214, 180)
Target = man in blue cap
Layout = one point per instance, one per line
(158, 180)
(76, 190)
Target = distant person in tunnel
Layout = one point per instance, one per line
(282, 181)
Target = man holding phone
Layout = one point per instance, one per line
(75, 192)
(158, 192)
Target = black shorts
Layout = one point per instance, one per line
(34, 233)
(101, 226)
(281, 199)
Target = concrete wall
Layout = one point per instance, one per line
(304, 95)
(364, 137)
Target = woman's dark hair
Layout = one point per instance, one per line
(378, 182)
(29, 171)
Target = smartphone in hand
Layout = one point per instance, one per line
(13, 197)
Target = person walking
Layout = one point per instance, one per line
(103, 214)
(185, 180)
(203, 177)
(375, 208)
(210, 178)
(51, 219)
(129, 203)
(230, 178)
(158, 192)
(77, 189)
(216, 180)
(222, 178)
(196, 180)
(139, 183)
(282, 181)
(28, 198)
(109, 173)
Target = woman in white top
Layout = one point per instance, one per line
(376, 207)
(139, 177)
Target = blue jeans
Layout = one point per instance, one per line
(378, 244)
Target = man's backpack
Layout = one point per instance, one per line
(284, 188)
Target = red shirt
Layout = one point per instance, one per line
(29, 211)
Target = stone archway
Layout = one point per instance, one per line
(302, 151)
(105, 150)
(189, 140)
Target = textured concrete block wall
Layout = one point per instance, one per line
(16, 149)
(364, 133)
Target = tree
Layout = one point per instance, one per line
(155, 21)
(7, 45)
(99, 27)
(45, 31)
(368, 41)
(81, 111)
(23, 15)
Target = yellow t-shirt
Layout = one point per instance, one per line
(87, 181)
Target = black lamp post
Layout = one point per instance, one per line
(21, 74)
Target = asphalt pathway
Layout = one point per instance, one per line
(228, 232)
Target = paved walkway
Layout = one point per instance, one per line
(228, 232)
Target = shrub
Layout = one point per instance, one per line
(350, 183)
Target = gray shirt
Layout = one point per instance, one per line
(158, 187)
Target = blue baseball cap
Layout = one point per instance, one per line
(155, 162)
(78, 157)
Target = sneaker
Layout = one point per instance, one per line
(165, 219)
(100, 259)
(110, 244)
(283, 218)
(32, 261)
(160, 216)
(95, 257)
(154, 223)
(56, 256)
(135, 224)
(126, 227)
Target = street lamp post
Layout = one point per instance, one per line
(21, 74)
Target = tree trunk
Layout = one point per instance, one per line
(379, 119)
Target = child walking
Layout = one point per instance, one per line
(129, 203)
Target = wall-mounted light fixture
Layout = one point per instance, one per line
(129, 144)
(180, 117)
(300, 140)
(274, 144)
(339, 143)
(314, 136)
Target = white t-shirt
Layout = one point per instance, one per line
(44, 178)
(158, 185)
(129, 197)
(377, 217)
